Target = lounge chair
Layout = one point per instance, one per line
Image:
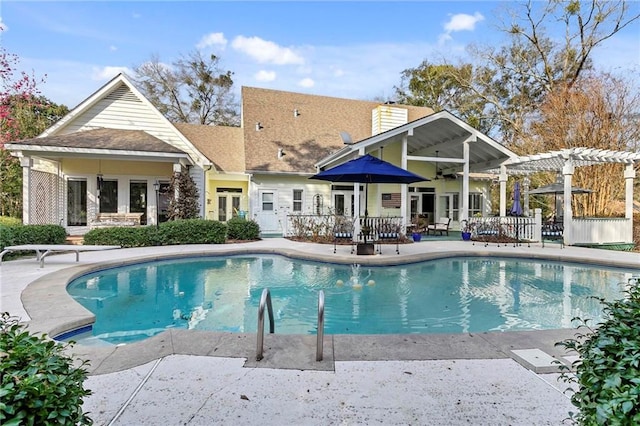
(441, 226)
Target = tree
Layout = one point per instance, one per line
(513, 79)
(438, 87)
(193, 89)
(598, 111)
(185, 205)
(24, 113)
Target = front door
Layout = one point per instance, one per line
(267, 212)
(138, 199)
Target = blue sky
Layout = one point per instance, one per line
(350, 49)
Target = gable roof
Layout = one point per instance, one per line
(118, 104)
(223, 145)
(306, 137)
(442, 132)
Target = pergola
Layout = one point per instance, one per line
(564, 161)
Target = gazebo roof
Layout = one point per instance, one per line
(555, 160)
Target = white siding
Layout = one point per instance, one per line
(121, 109)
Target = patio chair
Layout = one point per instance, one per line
(387, 231)
(552, 232)
(441, 226)
(342, 233)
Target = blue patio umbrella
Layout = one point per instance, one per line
(368, 169)
(516, 208)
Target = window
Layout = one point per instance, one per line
(267, 201)
(108, 196)
(475, 204)
(297, 200)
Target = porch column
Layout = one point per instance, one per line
(26, 163)
(503, 190)
(525, 188)
(567, 220)
(404, 187)
(629, 175)
(464, 207)
(356, 205)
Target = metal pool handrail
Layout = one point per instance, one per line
(265, 299)
(320, 337)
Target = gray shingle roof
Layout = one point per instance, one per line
(307, 137)
(114, 139)
(222, 145)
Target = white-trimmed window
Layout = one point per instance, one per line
(297, 200)
(475, 203)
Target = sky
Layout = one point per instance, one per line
(346, 49)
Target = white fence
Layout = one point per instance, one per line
(601, 230)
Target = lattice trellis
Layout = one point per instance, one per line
(44, 206)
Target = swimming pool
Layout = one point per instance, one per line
(453, 295)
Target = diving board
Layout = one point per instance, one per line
(44, 250)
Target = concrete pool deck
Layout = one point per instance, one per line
(192, 377)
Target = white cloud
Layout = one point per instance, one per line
(113, 48)
(459, 22)
(338, 72)
(106, 73)
(306, 83)
(463, 22)
(212, 39)
(264, 75)
(266, 52)
(3, 26)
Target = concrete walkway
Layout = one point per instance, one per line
(202, 378)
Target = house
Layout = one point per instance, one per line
(115, 153)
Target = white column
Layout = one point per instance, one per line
(629, 175)
(26, 163)
(567, 172)
(404, 187)
(464, 204)
(525, 188)
(503, 190)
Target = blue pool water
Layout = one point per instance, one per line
(454, 295)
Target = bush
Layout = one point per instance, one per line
(608, 371)
(6, 236)
(121, 236)
(12, 235)
(242, 229)
(192, 231)
(40, 385)
(10, 221)
(39, 234)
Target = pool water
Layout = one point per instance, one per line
(454, 295)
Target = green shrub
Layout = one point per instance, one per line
(192, 231)
(139, 236)
(6, 236)
(10, 221)
(40, 385)
(242, 229)
(608, 371)
(39, 234)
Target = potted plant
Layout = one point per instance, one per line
(465, 230)
(419, 226)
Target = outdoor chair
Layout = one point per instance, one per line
(388, 232)
(552, 232)
(441, 226)
(342, 233)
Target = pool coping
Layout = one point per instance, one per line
(53, 311)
